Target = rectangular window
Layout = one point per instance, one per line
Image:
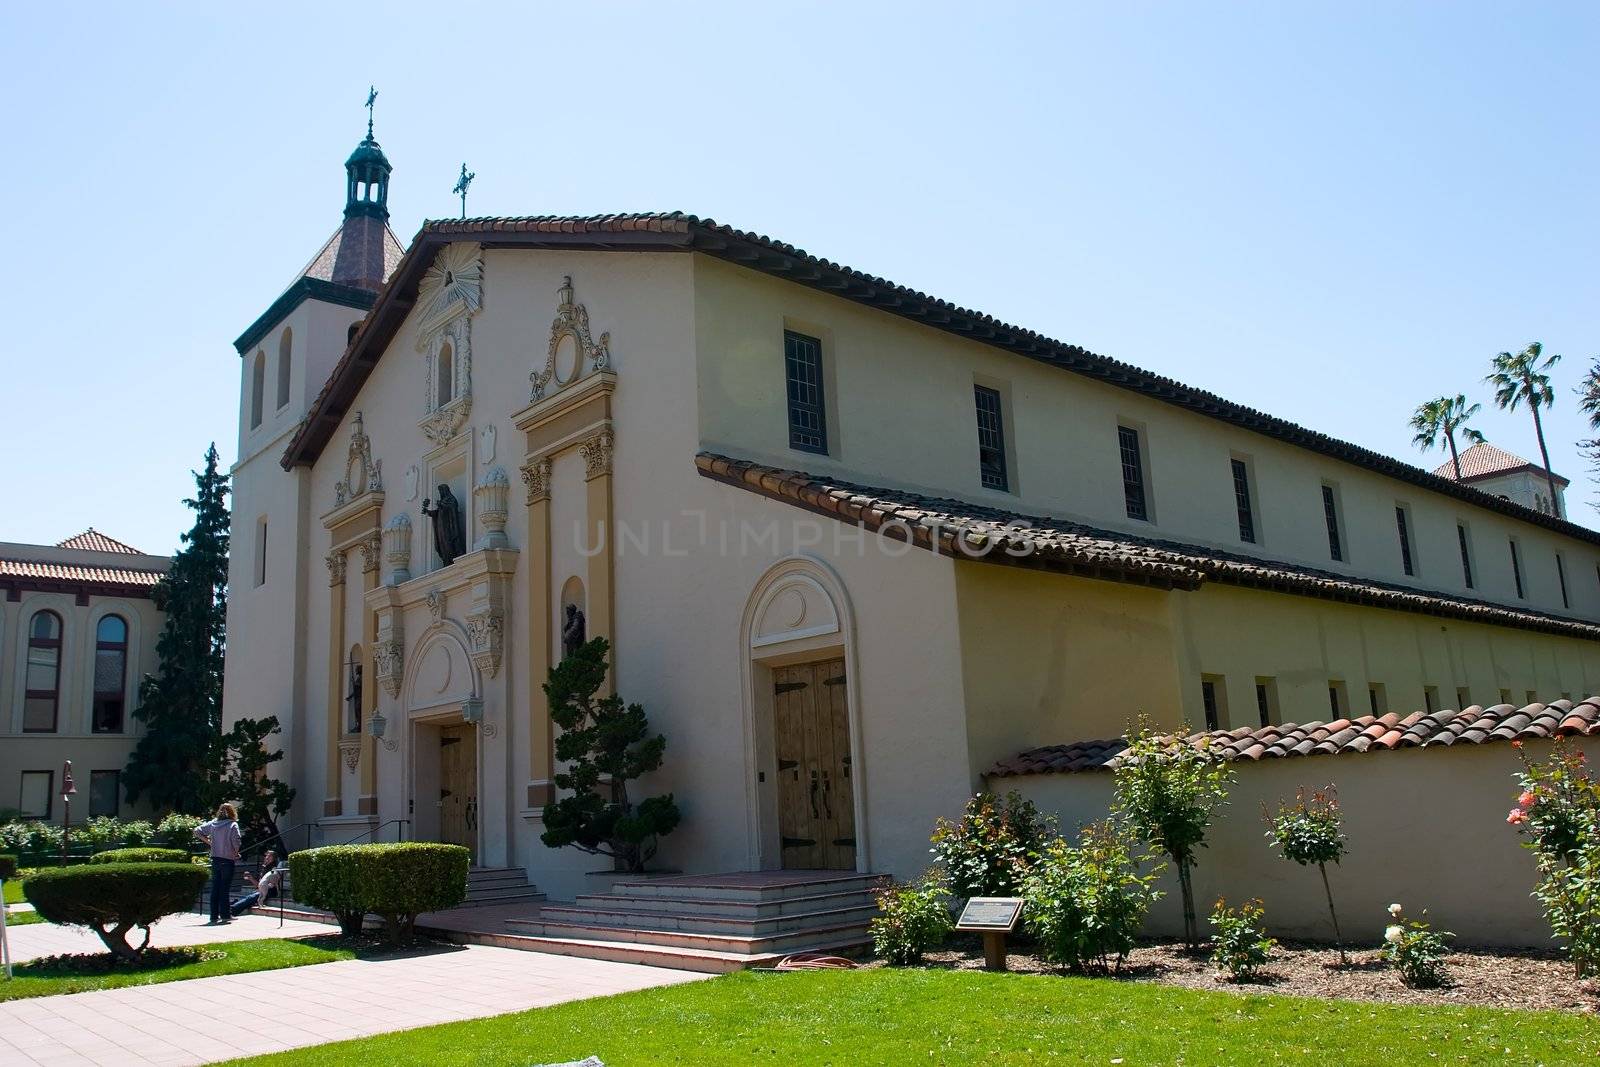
(1466, 556)
(1430, 698)
(991, 439)
(1463, 698)
(1338, 702)
(1213, 698)
(1378, 698)
(1403, 528)
(1505, 696)
(1241, 501)
(1132, 474)
(1330, 512)
(1561, 576)
(105, 792)
(38, 793)
(261, 551)
(808, 424)
(1267, 700)
(1530, 697)
(1516, 567)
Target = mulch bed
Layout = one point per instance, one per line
(1528, 980)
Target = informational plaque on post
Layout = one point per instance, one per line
(990, 914)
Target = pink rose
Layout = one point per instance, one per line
(1517, 817)
(1525, 801)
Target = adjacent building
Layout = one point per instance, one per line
(853, 545)
(78, 630)
(1495, 471)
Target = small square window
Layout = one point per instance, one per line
(1243, 503)
(1338, 701)
(1402, 523)
(1378, 698)
(1267, 701)
(1330, 515)
(1430, 698)
(1516, 568)
(1214, 700)
(1505, 696)
(1466, 555)
(1463, 698)
(1133, 493)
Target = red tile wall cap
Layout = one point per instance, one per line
(1473, 725)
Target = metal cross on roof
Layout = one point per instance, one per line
(372, 98)
(462, 184)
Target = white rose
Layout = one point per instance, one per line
(1393, 935)
(1394, 910)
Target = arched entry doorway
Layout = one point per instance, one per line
(443, 705)
(802, 723)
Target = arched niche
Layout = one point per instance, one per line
(572, 619)
(440, 674)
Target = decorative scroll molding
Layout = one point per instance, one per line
(571, 322)
(486, 639)
(443, 421)
(371, 551)
(397, 548)
(362, 474)
(596, 452)
(536, 479)
(493, 495)
(335, 562)
(350, 752)
(452, 287)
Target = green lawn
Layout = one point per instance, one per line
(14, 891)
(22, 918)
(949, 1017)
(43, 978)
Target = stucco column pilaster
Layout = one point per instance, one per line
(371, 555)
(597, 452)
(331, 804)
(541, 736)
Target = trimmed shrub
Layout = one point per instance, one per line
(990, 849)
(911, 919)
(330, 878)
(1085, 904)
(30, 835)
(8, 867)
(113, 898)
(395, 881)
(102, 831)
(140, 855)
(137, 833)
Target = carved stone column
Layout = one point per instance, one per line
(596, 451)
(541, 738)
(331, 804)
(371, 557)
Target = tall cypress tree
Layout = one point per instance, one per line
(181, 705)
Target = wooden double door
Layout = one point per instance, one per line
(458, 787)
(816, 796)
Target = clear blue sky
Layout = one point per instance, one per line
(1328, 211)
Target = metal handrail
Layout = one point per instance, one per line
(279, 837)
(379, 827)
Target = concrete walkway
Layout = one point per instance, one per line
(269, 1011)
(45, 939)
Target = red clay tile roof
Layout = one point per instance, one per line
(332, 261)
(1484, 460)
(92, 540)
(76, 572)
(1475, 726)
(680, 232)
(963, 530)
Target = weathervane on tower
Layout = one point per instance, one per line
(372, 98)
(461, 186)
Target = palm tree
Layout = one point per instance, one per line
(1524, 378)
(1589, 394)
(1444, 418)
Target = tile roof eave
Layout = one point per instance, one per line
(1367, 733)
(1109, 556)
(683, 232)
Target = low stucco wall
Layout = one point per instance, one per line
(1426, 828)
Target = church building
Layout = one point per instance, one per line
(853, 545)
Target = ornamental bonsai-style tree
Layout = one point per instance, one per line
(1308, 831)
(605, 744)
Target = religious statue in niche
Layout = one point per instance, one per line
(449, 531)
(353, 698)
(573, 631)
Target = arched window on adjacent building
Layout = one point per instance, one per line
(258, 387)
(445, 371)
(43, 673)
(285, 350)
(110, 673)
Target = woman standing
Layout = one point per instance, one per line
(222, 835)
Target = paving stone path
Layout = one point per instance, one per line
(173, 1023)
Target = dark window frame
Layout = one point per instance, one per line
(993, 469)
(1516, 569)
(1466, 555)
(105, 698)
(1402, 527)
(1208, 703)
(53, 694)
(802, 374)
(1243, 502)
(1135, 494)
(1330, 514)
(49, 794)
(116, 793)
(1561, 577)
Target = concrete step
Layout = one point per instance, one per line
(694, 921)
(792, 941)
(747, 888)
(730, 909)
(705, 961)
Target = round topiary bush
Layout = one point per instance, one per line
(8, 867)
(141, 855)
(113, 898)
(396, 881)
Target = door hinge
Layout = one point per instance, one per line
(788, 687)
(798, 842)
(845, 842)
(834, 681)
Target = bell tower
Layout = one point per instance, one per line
(360, 259)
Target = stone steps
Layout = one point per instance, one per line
(692, 920)
(490, 886)
(729, 909)
(703, 960)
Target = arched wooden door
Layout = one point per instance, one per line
(458, 787)
(816, 795)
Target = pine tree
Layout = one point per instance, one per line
(181, 705)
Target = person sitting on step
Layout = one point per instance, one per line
(266, 884)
